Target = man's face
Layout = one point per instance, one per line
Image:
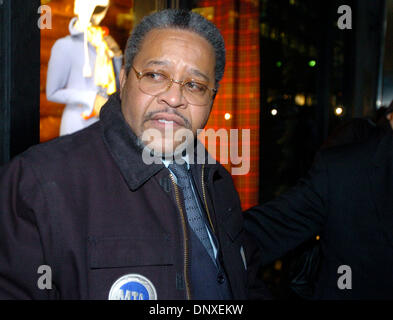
(182, 55)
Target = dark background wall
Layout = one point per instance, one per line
(19, 76)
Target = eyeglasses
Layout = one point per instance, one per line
(154, 83)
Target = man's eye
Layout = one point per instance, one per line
(155, 76)
(196, 87)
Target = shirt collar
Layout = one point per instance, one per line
(185, 158)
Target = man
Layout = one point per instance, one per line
(108, 225)
(346, 199)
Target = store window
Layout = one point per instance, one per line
(61, 103)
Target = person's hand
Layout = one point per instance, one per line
(98, 103)
(112, 44)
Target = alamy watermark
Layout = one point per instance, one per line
(45, 20)
(160, 145)
(345, 20)
(44, 282)
(344, 281)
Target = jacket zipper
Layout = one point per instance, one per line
(185, 239)
(204, 198)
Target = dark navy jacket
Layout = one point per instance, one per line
(87, 206)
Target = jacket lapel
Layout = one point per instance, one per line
(381, 178)
(229, 220)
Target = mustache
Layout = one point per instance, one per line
(151, 114)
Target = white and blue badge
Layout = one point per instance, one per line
(132, 287)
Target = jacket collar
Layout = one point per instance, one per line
(123, 145)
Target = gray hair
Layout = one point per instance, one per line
(177, 19)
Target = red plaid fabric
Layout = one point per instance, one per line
(239, 92)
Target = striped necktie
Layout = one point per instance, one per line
(193, 210)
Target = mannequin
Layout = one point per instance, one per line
(83, 67)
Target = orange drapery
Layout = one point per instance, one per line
(239, 92)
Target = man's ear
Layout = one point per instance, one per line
(122, 80)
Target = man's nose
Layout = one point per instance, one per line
(173, 96)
